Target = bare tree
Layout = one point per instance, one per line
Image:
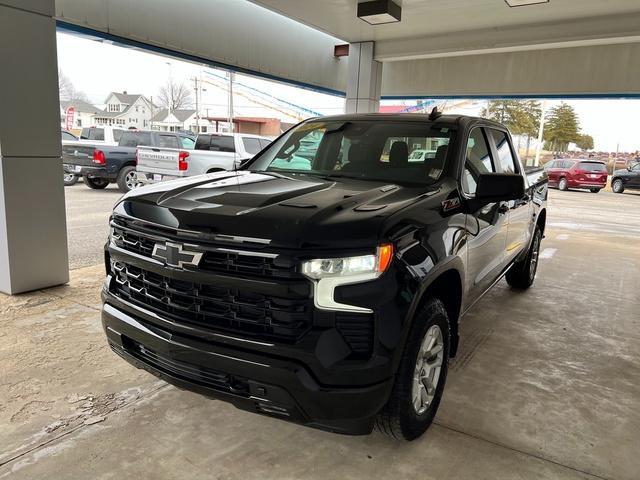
(175, 96)
(68, 90)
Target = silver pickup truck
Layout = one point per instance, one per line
(212, 153)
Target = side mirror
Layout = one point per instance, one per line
(497, 187)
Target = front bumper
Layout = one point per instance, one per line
(247, 377)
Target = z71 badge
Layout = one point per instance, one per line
(451, 204)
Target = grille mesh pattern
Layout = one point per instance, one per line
(212, 306)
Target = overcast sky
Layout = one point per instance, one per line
(98, 68)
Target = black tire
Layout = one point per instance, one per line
(127, 180)
(399, 418)
(523, 273)
(562, 184)
(594, 190)
(617, 186)
(69, 179)
(95, 183)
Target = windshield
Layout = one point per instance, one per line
(402, 152)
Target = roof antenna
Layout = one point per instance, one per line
(435, 113)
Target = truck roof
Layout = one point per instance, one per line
(407, 117)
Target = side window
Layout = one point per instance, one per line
(636, 167)
(203, 142)
(168, 141)
(188, 143)
(96, 133)
(222, 143)
(478, 161)
(264, 143)
(251, 145)
(505, 156)
(117, 133)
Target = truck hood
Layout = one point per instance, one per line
(293, 211)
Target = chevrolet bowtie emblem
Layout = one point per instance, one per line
(175, 255)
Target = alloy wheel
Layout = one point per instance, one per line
(617, 186)
(535, 255)
(427, 370)
(131, 180)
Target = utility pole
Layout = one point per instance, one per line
(152, 115)
(536, 162)
(231, 78)
(195, 80)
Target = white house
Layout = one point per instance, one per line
(126, 110)
(84, 113)
(182, 119)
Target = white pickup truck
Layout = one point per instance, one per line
(212, 153)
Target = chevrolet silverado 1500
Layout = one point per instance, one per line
(325, 288)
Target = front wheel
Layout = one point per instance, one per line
(95, 183)
(421, 376)
(617, 186)
(69, 179)
(523, 273)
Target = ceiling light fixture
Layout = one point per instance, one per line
(524, 3)
(379, 12)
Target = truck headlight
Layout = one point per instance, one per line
(329, 273)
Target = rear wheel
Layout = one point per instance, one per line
(523, 273)
(594, 190)
(562, 185)
(69, 179)
(617, 186)
(127, 179)
(421, 376)
(95, 183)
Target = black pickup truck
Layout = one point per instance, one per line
(100, 164)
(325, 289)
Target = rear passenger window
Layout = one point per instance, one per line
(478, 161)
(168, 141)
(203, 142)
(222, 143)
(251, 145)
(505, 156)
(135, 139)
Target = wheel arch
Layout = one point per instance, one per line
(541, 221)
(447, 286)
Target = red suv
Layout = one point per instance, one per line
(566, 174)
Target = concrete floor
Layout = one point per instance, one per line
(546, 384)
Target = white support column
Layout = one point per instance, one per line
(33, 233)
(364, 80)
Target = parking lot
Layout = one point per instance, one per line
(546, 383)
